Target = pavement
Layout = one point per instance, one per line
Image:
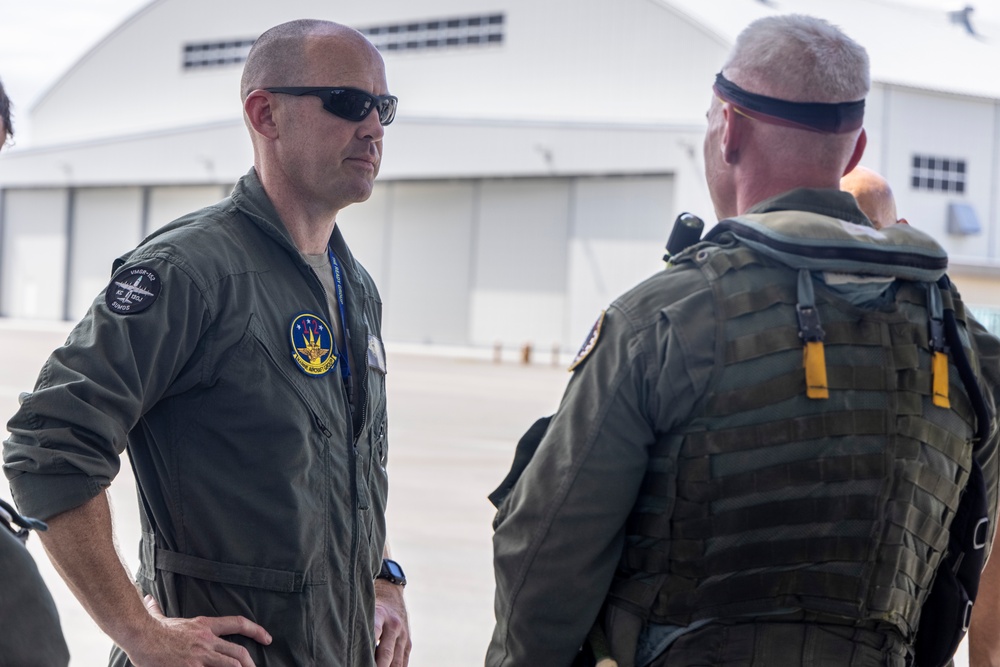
(454, 418)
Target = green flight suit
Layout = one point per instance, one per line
(260, 495)
(560, 539)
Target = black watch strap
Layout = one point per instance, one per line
(392, 572)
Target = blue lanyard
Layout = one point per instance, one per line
(345, 366)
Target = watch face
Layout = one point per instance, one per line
(394, 569)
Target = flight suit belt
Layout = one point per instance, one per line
(281, 581)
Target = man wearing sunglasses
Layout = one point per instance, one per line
(237, 355)
(762, 449)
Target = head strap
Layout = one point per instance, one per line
(827, 118)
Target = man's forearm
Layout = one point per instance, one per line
(984, 630)
(81, 545)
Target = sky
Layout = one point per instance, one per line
(41, 39)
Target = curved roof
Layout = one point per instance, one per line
(628, 61)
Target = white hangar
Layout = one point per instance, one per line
(540, 154)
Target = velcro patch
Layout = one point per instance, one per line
(313, 348)
(590, 343)
(132, 290)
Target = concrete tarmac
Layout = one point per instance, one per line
(453, 422)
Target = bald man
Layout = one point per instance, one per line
(873, 194)
(237, 356)
(755, 463)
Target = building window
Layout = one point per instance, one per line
(939, 174)
(438, 33)
(216, 54)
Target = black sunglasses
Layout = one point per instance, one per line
(349, 103)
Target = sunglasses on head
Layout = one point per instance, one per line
(349, 103)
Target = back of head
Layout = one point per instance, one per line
(799, 59)
(873, 194)
(6, 128)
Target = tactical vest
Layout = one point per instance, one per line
(821, 470)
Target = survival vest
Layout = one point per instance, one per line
(823, 468)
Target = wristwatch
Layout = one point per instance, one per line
(391, 572)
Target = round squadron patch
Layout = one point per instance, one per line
(312, 344)
(590, 343)
(132, 290)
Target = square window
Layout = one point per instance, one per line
(454, 23)
(931, 184)
(960, 166)
(917, 162)
(931, 163)
(946, 165)
(496, 18)
(960, 187)
(915, 182)
(493, 38)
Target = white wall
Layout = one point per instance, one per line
(34, 254)
(927, 123)
(106, 223)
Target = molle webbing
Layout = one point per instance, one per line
(770, 500)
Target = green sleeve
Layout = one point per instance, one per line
(67, 437)
(561, 531)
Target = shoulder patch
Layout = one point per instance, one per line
(590, 343)
(312, 344)
(132, 290)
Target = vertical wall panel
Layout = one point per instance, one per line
(620, 228)
(429, 263)
(107, 223)
(365, 226)
(520, 264)
(34, 254)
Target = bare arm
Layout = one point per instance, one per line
(81, 544)
(984, 630)
(392, 625)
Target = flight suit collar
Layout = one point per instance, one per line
(834, 203)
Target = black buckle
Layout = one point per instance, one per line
(809, 324)
(980, 532)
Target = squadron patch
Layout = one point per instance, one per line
(312, 344)
(590, 343)
(132, 290)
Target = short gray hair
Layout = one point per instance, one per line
(800, 59)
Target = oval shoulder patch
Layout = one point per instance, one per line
(590, 343)
(132, 290)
